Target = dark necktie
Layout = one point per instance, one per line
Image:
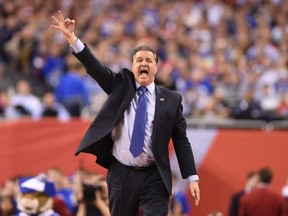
(137, 139)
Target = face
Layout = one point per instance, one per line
(31, 203)
(144, 67)
(252, 182)
(23, 87)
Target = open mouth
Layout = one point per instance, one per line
(143, 73)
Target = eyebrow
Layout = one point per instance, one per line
(143, 58)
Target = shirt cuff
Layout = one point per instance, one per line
(193, 178)
(78, 46)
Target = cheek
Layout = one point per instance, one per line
(154, 68)
(134, 71)
(28, 205)
(153, 72)
(134, 67)
(42, 200)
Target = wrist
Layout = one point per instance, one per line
(72, 39)
(193, 178)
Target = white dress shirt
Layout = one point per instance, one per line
(122, 132)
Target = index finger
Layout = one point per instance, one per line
(197, 197)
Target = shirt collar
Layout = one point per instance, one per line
(150, 87)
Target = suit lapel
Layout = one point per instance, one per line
(126, 101)
(130, 93)
(160, 106)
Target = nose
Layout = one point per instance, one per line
(144, 63)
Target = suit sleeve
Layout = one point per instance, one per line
(105, 77)
(182, 145)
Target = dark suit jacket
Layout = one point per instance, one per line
(262, 202)
(168, 122)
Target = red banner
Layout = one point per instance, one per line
(31, 147)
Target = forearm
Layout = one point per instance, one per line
(99, 72)
(81, 209)
(102, 206)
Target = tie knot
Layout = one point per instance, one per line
(143, 89)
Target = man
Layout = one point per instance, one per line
(138, 176)
(262, 200)
(251, 182)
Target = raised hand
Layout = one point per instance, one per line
(66, 26)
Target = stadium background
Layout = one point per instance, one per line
(223, 156)
(234, 46)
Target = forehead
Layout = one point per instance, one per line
(144, 53)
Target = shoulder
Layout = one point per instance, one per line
(125, 77)
(126, 73)
(246, 197)
(168, 92)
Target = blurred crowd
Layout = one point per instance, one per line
(227, 58)
(257, 197)
(83, 193)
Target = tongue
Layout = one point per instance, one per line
(143, 75)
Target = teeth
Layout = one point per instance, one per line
(143, 75)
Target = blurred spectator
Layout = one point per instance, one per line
(251, 182)
(262, 200)
(215, 213)
(26, 103)
(8, 195)
(284, 193)
(92, 196)
(63, 187)
(179, 204)
(51, 108)
(7, 205)
(36, 196)
(54, 65)
(285, 189)
(7, 111)
(60, 207)
(163, 76)
(26, 47)
(215, 107)
(269, 101)
(9, 28)
(247, 107)
(96, 95)
(7, 79)
(282, 108)
(71, 90)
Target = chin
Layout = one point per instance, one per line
(143, 82)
